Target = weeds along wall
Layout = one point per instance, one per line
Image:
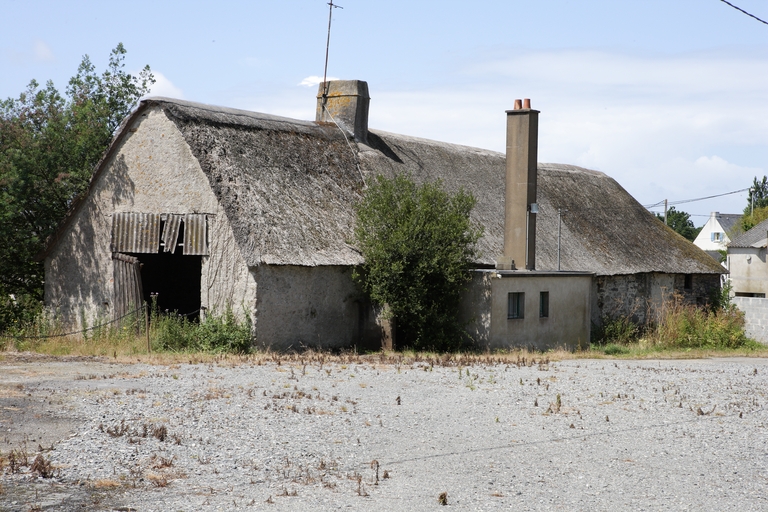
(639, 296)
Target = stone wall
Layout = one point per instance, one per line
(755, 315)
(639, 296)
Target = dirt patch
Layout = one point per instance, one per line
(35, 409)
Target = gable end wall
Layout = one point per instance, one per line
(151, 171)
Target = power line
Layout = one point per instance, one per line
(708, 197)
(745, 12)
(683, 201)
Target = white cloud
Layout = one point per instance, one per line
(164, 87)
(37, 51)
(43, 52)
(664, 126)
(680, 127)
(314, 80)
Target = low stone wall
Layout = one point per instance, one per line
(756, 315)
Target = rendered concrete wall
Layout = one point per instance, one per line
(755, 316)
(312, 307)
(568, 323)
(151, 171)
(748, 270)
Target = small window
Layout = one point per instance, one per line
(515, 303)
(688, 284)
(544, 305)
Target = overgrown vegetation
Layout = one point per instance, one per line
(49, 146)
(680, 326)
(418, 242)
(215, 333)
(168, 332)
(756, 209)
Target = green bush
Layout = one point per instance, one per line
(17, 313)
(612, 349)
(620, 329)
(684, 326)
(418, 243)
(215, 333)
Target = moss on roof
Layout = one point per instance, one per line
(289, 187)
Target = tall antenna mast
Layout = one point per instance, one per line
(331, 5)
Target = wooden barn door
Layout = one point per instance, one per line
(128, 292)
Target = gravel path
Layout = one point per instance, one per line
(571, 435)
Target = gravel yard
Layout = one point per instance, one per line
(570, 435)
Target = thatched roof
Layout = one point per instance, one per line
(755, 237)
(288, 188)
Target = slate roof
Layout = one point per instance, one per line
(728, 221)
(755, 237)
(289, 186)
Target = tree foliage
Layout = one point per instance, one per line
(49, 146)
(681, 223)
(758, 196)
(756, 210)
(418, 243)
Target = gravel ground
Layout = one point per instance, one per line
(570, 435)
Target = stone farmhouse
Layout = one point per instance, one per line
(214, 208)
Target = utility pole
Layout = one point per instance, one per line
(751, 201)
(559, 224)
(665, 213)
(331, 5)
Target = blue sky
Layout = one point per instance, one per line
(669, 97)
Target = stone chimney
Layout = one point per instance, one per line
(520, 206)
(346, 102)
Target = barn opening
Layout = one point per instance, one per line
(158, 257)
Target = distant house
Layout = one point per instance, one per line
(714, 235)
(747, 262)
(749, 278)
(211, 207)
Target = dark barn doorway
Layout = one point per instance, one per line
(159, 257)
(174, 279)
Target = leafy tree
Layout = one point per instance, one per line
(758, 197)
(681, 223)
(49, 146)
(748, 221)
(756, 210)
(418, 242)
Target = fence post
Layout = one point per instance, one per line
(146, 326)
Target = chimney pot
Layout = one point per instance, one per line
(527, 103)
(518, 105)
